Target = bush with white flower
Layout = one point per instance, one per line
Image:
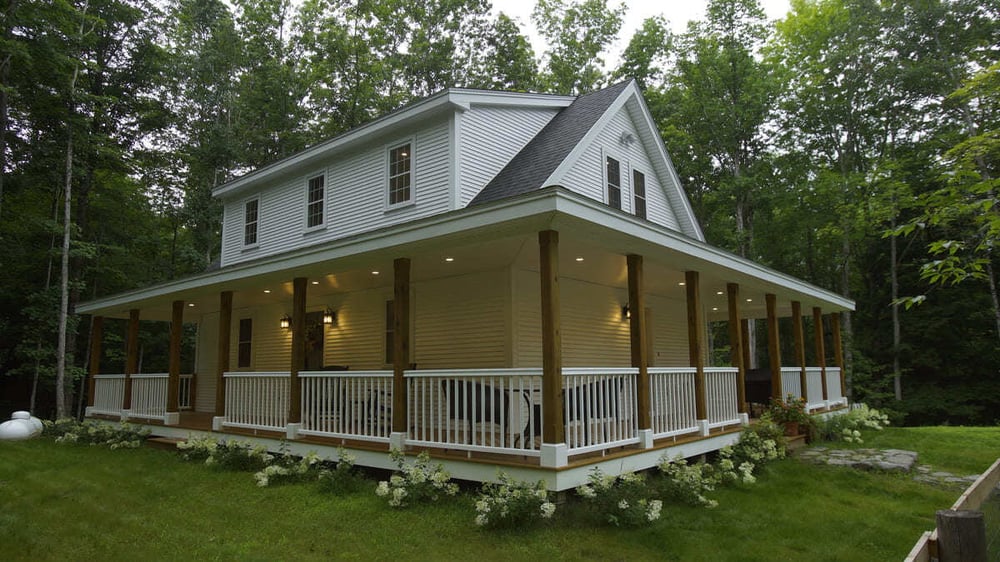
(848, 427)
(622, 501)
(120, 436)
(687, 483)
(197, 448)
(419, 482)
(289, 468)
(343, 477)
(234, 454)
(509, 503)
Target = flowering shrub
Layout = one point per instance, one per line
(416, 483)
(688, 483)
(847, 427)
(759, 444)
(288, 468)
(510, 503)
(789, 410)
(239, 455)
(122, 436)
(197, 448)
(620, 500)
(342, 478)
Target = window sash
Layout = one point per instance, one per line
(251, 212)
(614, 183)
(315, 200)
(639, 189)
(400, 176)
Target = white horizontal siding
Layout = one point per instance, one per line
(460, 322)
(358, 338)
(207, 362)
(490, 137)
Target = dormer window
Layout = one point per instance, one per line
(250, 220)
(614, 183)
(315, 201)
(639, 192)
(400, 175)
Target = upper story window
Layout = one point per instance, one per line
(614, 183)
(314, 201)
(251, 216)
(639, 191)
(400, 175)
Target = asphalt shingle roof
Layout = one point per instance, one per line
(543, 154)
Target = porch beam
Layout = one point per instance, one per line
(773, 346)
(298, 355)
(838, 350)
(818, 334)
(798, 334)
(400, 341)
(131, 355)
(737, 353)
(637, 334)
(223, 349)
(96, 337)
(552, 417)
(696, 341)
(174, 365)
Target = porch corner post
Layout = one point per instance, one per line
(820, 350)
(400, 346)
(798, 334)
(96, 337)
(223, 349)
(737, 353)
(554, 450)
(172, 417)
(298, 355)
(696, 345)
(131, 358)
(774, 346)
(838, 351)
(637, 334)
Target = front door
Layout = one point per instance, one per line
(314, 341)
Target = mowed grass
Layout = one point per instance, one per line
(74, 502)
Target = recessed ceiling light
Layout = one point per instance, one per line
(579, 258)
(681, 284)
(449, 259)
(268, 291)
(190, 304)
(718, 292)
(749, 300)
(715, 308)
(374, 273)
(315, 282)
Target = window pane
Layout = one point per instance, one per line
(614, 183)
(399, 174)
(250, 222)
(639, 185)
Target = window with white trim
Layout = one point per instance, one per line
(315, 199)
(639, 193)
(614, 182)
(251, 217)
(400, 175)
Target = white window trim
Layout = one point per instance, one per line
(624, 179)
(385, 174)
(243, 223)
(306, 229)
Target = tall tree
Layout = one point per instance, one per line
(577, 32)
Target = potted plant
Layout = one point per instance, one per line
(791, 413)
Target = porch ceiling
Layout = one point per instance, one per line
(594, 241)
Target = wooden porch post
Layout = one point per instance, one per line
(736, 344)
(637, 333)
(400, 342)
(838, 350)
(224, 343)
(174, 368)
(96, 335)
(552, 422)
(131, 356)
(745, 342)
(800, 348)
(298, 326)
(820, 349)
(773, 346)
(696, 341)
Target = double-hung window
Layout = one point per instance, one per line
(614, 183)
(251, 215)
(639, 192)
(315, 199)
(400, 175)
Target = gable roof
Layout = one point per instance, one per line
(531, 167)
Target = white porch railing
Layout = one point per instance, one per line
(109, 394)
(599, 407)
(790, 382)
(149, 394)
(185, 393)
(355, 405)
(672, 397)
(814, 388)
(722, 405)
(257, 400)
(475, 409)
(833, 393)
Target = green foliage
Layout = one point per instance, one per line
(848, 427)
(509, 504)
(687, 483)
(121, 436)
(577, 32)
(789, 410)
(620, 501)
(237, 455)
(420, 482)
(343, 478)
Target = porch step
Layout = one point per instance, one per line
(796, 442)
(168, 443)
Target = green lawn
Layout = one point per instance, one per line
(74, 502)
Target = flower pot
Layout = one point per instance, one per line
(791, 428)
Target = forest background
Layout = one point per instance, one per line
(853, 143)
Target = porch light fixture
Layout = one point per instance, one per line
(626, 313)
(329, 317)
(286, 321)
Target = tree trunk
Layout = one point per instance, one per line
(993, 293)
(896, 333)
(61, 406)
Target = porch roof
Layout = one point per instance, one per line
(581, 221)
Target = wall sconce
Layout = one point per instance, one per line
(626, 313)
(286, 321)
(329, 317)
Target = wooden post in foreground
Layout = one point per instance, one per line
(696, 342)
(961, 536)
(174, 364)
(637, 333)
(800, 349)
(400, 341)
(225, 334)
(736, 346)
(820, 348)
(298, 326)
(773, 346)
(552, 416)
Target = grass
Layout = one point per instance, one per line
(60, 502)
